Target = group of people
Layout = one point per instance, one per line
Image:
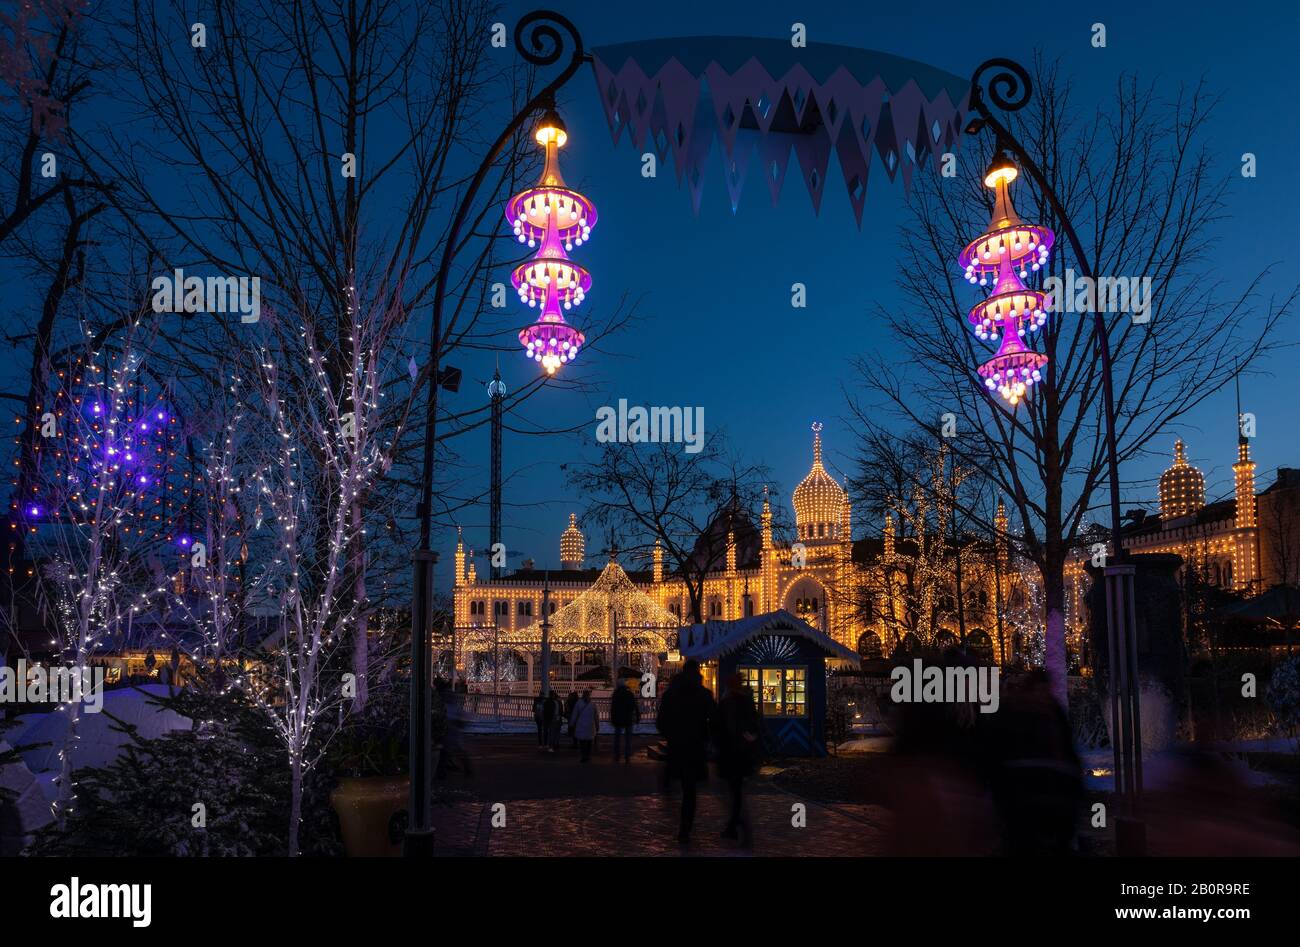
(691, 722)
(693, 726)
(579, 713)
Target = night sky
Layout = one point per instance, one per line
(725, 337)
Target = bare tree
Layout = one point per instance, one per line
(690, 503)
(1138, 182)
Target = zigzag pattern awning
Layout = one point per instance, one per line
(763, 99)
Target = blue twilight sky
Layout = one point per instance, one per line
(725, 336)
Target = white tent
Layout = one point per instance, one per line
(98, 738)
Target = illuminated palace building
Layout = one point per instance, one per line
(1246, 544)
(863, 592)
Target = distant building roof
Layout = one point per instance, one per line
(713, 639)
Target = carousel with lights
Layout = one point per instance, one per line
(553, 218)
(1005, 255)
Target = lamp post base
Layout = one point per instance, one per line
(418, 843)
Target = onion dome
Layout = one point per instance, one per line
(818, 500)
(1182, 487)
(573, 545)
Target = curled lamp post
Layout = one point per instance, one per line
(540, 38)
(1011, 306)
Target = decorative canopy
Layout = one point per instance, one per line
(766, 97)
(713, 639)
(587, 620)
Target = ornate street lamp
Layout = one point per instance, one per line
(559, 218)
(540, 39)
(1009, 89)
(1006, 253)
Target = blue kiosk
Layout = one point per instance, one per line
(783, 658)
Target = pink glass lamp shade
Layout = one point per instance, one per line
(1024, 246)
(1010, 304)
(550, 206)
(551, 270)
(550, 340)
(559, 219)
(529, 214)
(1014, 370)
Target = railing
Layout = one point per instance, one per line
(519, 709)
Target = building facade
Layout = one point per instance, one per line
(1245, 544)
(858, 592)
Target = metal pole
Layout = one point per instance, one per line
(538, 40)
(1012, 80)
(419, 830)
(546, 637)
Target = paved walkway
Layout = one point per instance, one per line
(555, 805)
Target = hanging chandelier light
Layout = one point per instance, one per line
(1006, 254)
(553, 218)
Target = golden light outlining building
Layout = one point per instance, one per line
(854, 590)
(1239, 543)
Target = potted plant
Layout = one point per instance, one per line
(369, 758)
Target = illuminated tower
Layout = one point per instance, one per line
(1245, 561)
(1182, 487)
(819, 500)
(573, 545)
(767, 559)
(460, 558)
(1003, 538)
(658, 562)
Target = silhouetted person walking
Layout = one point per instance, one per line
(569, 703)
(685, 717)
(738, 751)
(553, 711)
(624, 714)
(585, 723)
(539, 718)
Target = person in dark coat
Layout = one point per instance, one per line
(686, 717)
(539, 718)
(553, 712)
(569, 703)
(624, 714)
(738, 734)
